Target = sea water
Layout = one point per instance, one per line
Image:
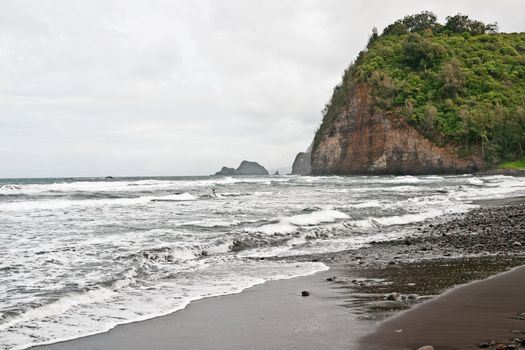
(80, 256)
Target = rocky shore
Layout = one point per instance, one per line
(437, 256)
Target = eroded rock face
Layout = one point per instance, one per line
(245, 168)
(302, 164)
(359, 142)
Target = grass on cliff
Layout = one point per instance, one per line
(516, 165)
(460, 83)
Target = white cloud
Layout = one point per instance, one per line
(178, 87)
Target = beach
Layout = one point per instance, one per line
(401, 294)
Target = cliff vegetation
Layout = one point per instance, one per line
(461, 83)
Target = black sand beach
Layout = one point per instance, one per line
(273, 315)
(361, 289)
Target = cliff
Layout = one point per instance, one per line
(302, 164)
(361, 142)
(245, 168)
(425, 97)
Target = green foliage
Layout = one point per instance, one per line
(463, 24)
(422, 53)
(518, 164)
(458, 83)
(414, 23)
(451, 78)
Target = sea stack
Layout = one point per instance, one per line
(245, 168)
(302, 164)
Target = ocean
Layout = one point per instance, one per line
(79, 256)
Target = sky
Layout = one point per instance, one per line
(136, 87)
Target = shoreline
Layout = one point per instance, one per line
(271, 315)
(350, 295)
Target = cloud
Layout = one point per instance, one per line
(177, 87)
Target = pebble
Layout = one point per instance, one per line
(516, 244)
(483, 345)
(412, 297)
(305, 293)
(393, 296)
(426, 347)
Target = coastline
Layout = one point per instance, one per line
(348, 301)
(272, 315)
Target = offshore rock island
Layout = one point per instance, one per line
(245, 168)
(423, 98)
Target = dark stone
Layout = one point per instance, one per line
(393, 296)
(305, 293)
(483, 345)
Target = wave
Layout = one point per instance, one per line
(164, 304)
(176, 197)
(290, 224)
(70, 300)
(51, 204)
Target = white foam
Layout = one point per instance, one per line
(367, 204)
(178, 197)
(475, 181)
(54, 204)
(56, 243)
(290, 224)
(106, 311)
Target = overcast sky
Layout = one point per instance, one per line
(129, 87)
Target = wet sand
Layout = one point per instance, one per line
(273, 315)
(464, 318)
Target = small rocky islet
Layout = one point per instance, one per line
(245, 168)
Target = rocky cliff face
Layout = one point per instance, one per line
(360, 142)
(302, 164)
